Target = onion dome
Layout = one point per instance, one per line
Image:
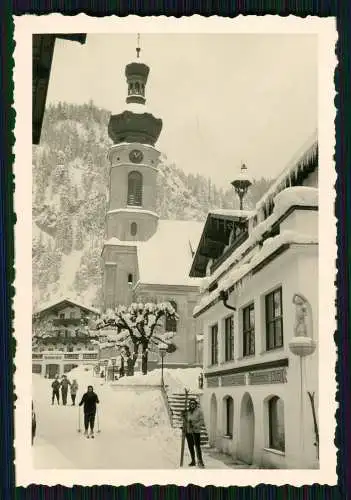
(135, 124)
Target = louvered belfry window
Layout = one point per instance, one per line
(135, 188)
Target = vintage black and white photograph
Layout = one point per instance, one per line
(176, 251)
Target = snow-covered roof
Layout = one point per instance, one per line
(232, 213)
(58, 302)
(165, 259)
(116, 242)
(234, 277)
(302, 156)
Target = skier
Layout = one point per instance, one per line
(194, 421)
(56, 390)
(74, 390)
(89, 400)
(64, 389)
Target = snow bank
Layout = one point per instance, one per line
(295, 196)
(176, 379)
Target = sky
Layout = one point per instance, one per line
(224, 99)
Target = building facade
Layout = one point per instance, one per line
(146, 258)
(259, 306)
(61, 339)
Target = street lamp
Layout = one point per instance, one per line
(113, 361)
(241, 184)
(163, 350)
(106, 365)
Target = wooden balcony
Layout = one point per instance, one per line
(68, 322)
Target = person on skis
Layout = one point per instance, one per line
(89, 400)
(56, 390)
(194, 420)
(64, 389)
(74, 390)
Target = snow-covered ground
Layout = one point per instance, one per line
(176, 379)
(135, 431)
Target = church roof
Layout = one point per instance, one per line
(165, 259)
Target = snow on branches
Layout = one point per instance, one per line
(139, 326)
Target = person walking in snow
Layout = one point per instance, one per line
(56, 390)
(64, 389)
(194, 420)
(74, 390)
(89, 400)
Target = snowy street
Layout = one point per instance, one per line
(135, 432)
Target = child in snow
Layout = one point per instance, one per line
(74, 390)
(64, 389)
(56, 390)
(193, 422)
(89, 400)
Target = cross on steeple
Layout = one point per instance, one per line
(138, 49)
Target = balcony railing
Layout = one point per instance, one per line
(236, 243)
(67, 321)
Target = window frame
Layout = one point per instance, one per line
(171, 324)
(214, 346)
(229, 416)
(271, 320)
(273, 414)
(229, 338)
(133, 228)
(135, 189)
(248, 330)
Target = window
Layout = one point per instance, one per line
(276, 424)
(274, 320)
(249, 330)
(62, 315)
(228, 416)
(71, 315)
(135, 185)
(214, 344)
(133, 228)
(229, 338)
(171, 323)
(130, 279)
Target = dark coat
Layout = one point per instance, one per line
(89, 400)
(56, 385)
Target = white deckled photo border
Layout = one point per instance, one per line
(325, 29)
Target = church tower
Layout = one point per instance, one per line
(132, 199)
(131, 212)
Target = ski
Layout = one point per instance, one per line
(184, 428)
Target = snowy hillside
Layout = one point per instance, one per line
(70, 182)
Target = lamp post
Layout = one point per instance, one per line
(113, 361)
(162, 349)
(241, 184)
(106, 365)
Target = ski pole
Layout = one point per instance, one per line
(79, 429)
(97, 419)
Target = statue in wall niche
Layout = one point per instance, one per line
(301, 312)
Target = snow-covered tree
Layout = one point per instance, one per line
(138, 327)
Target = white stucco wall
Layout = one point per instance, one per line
(296, 271)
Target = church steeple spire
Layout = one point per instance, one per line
(135, 124)
(138, 49)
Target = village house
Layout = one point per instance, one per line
(61, 337)
(259, 307)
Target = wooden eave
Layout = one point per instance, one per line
(43, 46)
